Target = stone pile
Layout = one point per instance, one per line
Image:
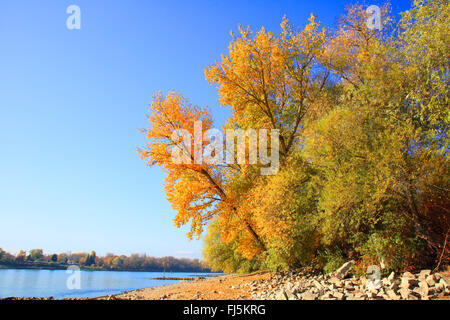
(341, 286)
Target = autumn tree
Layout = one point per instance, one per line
(194, 188)
(272, 81)
(380, 147)
(363, 119)
(222, 255)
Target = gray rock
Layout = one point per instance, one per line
(408, 275)
(408, 283)
(430, 280)
(392, 295)
(423, 274)
(357, 296)
(363, 281)
(442, 285)
(317, 284)
(281, 295)
(439, 287)
(444, 281)
(308, 296)
(336, 282)
(338, 295)
(394, 285)
(422, 289)
(290, 295)
(405, 293)
(408, 294)
(298, 288)
(327, 296)
(343, 271)
(412, 297)
(350, 296)
(372, 294)
(332, 287)
(349, 287)
(391, 277)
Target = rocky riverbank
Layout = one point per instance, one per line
(298, 285)
(339, 286)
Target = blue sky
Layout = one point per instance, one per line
(72, 101)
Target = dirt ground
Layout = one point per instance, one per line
(216, 288)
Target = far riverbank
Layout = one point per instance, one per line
(55, 266)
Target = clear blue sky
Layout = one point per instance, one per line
(72, 101)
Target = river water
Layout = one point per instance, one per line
(62, 284)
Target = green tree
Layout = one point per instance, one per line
(36, 255)
(220, 255)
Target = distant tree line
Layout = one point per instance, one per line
(134, 262)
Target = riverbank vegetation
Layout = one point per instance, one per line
(36, 259)
(363, 117)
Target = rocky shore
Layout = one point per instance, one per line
(341, 286)
(297, 285)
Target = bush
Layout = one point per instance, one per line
(332, 260)
(389, 248)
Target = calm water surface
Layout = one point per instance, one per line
(47, 283)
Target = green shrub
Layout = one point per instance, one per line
(332, 260)
(393, 249)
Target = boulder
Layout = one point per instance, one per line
(336, 281)
(408, 275)
(391, 277)
(317, 284)
(327, 296)
(357, 296)
(408, 283)
(430, 280)
(394, 285)
(407, 294)
(445, 282)
(372, 294)
(281, 295)
(343, 271)
(442, 285)
(363, 281)
(424, 274)
(422, 289)
(308, 296)
(290, 295)
(338, 295)
(349, 287)
(392, 295)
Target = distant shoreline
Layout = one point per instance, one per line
(84, 268)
